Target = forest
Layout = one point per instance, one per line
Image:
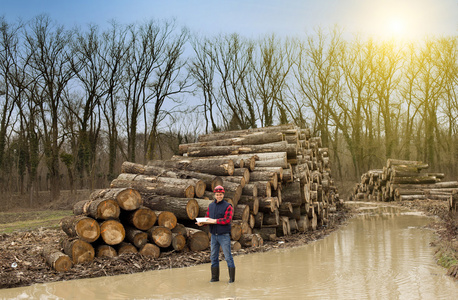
(76, 103)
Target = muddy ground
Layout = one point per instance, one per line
(21, 263)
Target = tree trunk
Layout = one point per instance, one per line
(57, 260)
(183, 208)
(112, 232)
(78, 250)
(272, 218)
(291, 192)
(258, 219)
(264, 188)
(267, 204)
(303, 224)
(281, 162)
(291, 150)
(178, 241)
(98, 209)
(248, 240)
(85, 228)
(235, 246)
(236, 230)
(267, 233)
(127, 198)
(238, 133)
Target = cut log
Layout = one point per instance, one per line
(150, 250)
(267, 233)
(288, 174)
(243, 172)
(264, 176)
(181, 229)
(283, 228)
(112, 232)
(178, 241)
(127, 198)
(248, 139)
(453, 201)
(395, 162)
(290, 149)
(235, 246)
(236, 230)
(83, 227)
(125, 248)
(278, 170)
(258, 218)
(293, 225)
(156, 188)
(199, 185)
(264, 188)
(57, 260)
(136, 237)
(303, 224)
(240, 180)
(78, 250)
(160, 235)
(250, 190)
(248, 240)
(238, 133)
(285, 209)
(167, 219)
(142, 218)
(182, 208)
(271, 219)
(291, 192)
(267, 204)
(281, 162)
(197, 239)
(98, 209)
(243, 225)
(242, 212)
(106, 251)
(220, 167)
(252, 202)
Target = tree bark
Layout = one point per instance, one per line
(220, 167)
(102, 209)
(238, 133)
(183, 208)
(267, 233)
(250, 190)
(264, 176)
(167, 219)
(127, 198)
(242, 212)
(156, 188)
(125, 247)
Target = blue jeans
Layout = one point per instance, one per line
(223, 240)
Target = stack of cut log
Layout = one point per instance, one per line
(276, 178)
(283, 174)
(403, 180)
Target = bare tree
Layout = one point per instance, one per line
(49, 47)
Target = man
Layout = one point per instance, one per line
(219, 214)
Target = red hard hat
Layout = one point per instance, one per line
(218, 189)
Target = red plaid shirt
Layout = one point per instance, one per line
(227, 216)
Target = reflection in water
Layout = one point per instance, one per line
(382, 254)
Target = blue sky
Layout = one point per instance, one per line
(410, 18)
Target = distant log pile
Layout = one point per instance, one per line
(276, 178)
(403, 180)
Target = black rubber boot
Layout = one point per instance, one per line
(215, 274)
(231, 275)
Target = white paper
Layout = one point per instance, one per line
(200, 220)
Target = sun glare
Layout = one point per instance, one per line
(397, 26)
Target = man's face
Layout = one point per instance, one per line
(219, 196)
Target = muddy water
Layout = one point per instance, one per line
(382, 254)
